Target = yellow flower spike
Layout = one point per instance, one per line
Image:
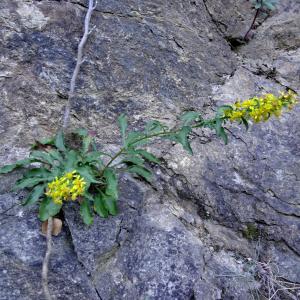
(261, 109)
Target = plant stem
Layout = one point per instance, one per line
(46, 259)
(111, 161)
(158, 134)
(253, 22)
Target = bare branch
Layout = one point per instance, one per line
(95, 5)
(84, 38)
(46, 259)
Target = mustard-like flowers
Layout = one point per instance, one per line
(262, 108)
(67, 187)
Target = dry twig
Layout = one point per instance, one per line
(80, 60)
(46, 259)
(66, 119)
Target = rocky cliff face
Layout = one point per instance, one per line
(208, 222)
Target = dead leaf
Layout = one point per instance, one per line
(56, 229)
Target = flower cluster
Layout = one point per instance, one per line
(260, 108)
(67, 187)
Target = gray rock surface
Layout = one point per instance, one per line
(204, 224)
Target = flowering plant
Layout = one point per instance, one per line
(80, 173)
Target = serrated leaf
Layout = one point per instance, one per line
(99, 206)
(21, 163)
(85, 212)
(28, 182)
(155, 126)
(147, 155)
(48, 209)
(72, 158)
(135, 138)
(110, 204)
(56, 155)
(111, 183)
(35, 195)
(135, 160)
(87, 173)
(59, 141)
(122, 120)
(56, 172)
(37, 172)
(94, 157)
(86, 142)
(42, 156)
(141, 171)
(189, 117)
(182, 138)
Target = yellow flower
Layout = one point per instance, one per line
(262, 108)
(68, 187)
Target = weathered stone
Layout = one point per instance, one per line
(252, 180)
(22, 248)
(187, 235)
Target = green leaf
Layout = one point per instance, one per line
(81, 132)
(269, 4)
(221, 110)
(42, 156)
(136, 160)
(94, 157)
(147, 155)
(245, 122)
(189, 117)
(47, 141)
(111, 183)
(72, 158)
(37, 172)
(122, 120)
(28, 182)
(59, 141)
(135, 138)
(155, 126)
(257, 6)
(48, 209)
(142, 172)
(99, 206)
(86, 142)
(35, 195)
(223, 135)
(110, 204)
(182, 138)
(85, 212)
(56, 155)
(87, 173)
(172, 136)
(21, 163)
(220, 131)
(44, 142)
